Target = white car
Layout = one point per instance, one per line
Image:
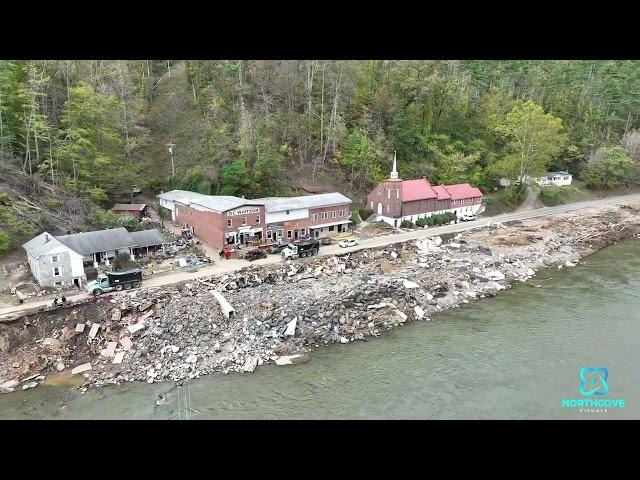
(351, 242)
(468, 218)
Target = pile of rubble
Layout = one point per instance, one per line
(277, 313)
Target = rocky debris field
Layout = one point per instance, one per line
(281, 312)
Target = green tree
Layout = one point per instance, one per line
(236, 179)
(360, 158)
(534, 139)
(5, 241)
(92, 151)
(609, 167)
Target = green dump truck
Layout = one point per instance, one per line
(115, 281)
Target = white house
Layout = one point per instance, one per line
(556, 179)
(53, 263)
(59, 261)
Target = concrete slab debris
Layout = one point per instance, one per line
(410, 284)
(94, 330)
(419, 312)
(495, 275)
(136, 327)
(118, 358)
(225, 306)
(81, 368)
(111, 349)
(126, 343)
(291, 328)
(80, 327)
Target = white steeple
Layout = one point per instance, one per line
(394, 172)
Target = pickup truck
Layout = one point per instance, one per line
(109, 281)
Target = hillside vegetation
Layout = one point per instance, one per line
(96, 128)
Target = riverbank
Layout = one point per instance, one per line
(287, 309)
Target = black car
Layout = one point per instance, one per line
(255, 255)
(278, 248)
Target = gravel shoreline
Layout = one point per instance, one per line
(285, 310)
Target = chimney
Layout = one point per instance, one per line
(46, 237)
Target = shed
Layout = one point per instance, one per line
(136, 210)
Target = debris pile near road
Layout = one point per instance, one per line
(278, 312)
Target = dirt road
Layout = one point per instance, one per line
(225, 266)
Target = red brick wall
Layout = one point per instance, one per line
(335, 208)
(381, 194)
(207, 225)
(211, 227)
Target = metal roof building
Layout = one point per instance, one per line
(86, 243)
(129, 207)
(278, 204)
(148, 238)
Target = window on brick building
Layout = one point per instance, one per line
(314, 216)
(56, 271)
(333, 214)
(303, 231)
(342, 212)
(388, 208)
(257, 218)
(230, 222)
(244, 220)
(288, 233)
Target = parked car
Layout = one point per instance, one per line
(278, 248)
(350, 242)
(468, 218)
(252, 255)
(326, 241)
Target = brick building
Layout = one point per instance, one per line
(226, 220)
(395, 200)
(221, 220)
(292, 218)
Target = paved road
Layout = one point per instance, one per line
(226, 266)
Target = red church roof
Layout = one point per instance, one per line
(462, 190)
(442, 193)
(419, 189)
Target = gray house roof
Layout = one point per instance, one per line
(41, 244)
(98, 241)
(129, 206)
(148, 238)
(278, 204)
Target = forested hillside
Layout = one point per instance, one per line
(258, 128)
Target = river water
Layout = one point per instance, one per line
(515, 356)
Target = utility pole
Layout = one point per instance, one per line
(173, 167)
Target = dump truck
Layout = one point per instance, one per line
(301, 249)
(109, 281)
